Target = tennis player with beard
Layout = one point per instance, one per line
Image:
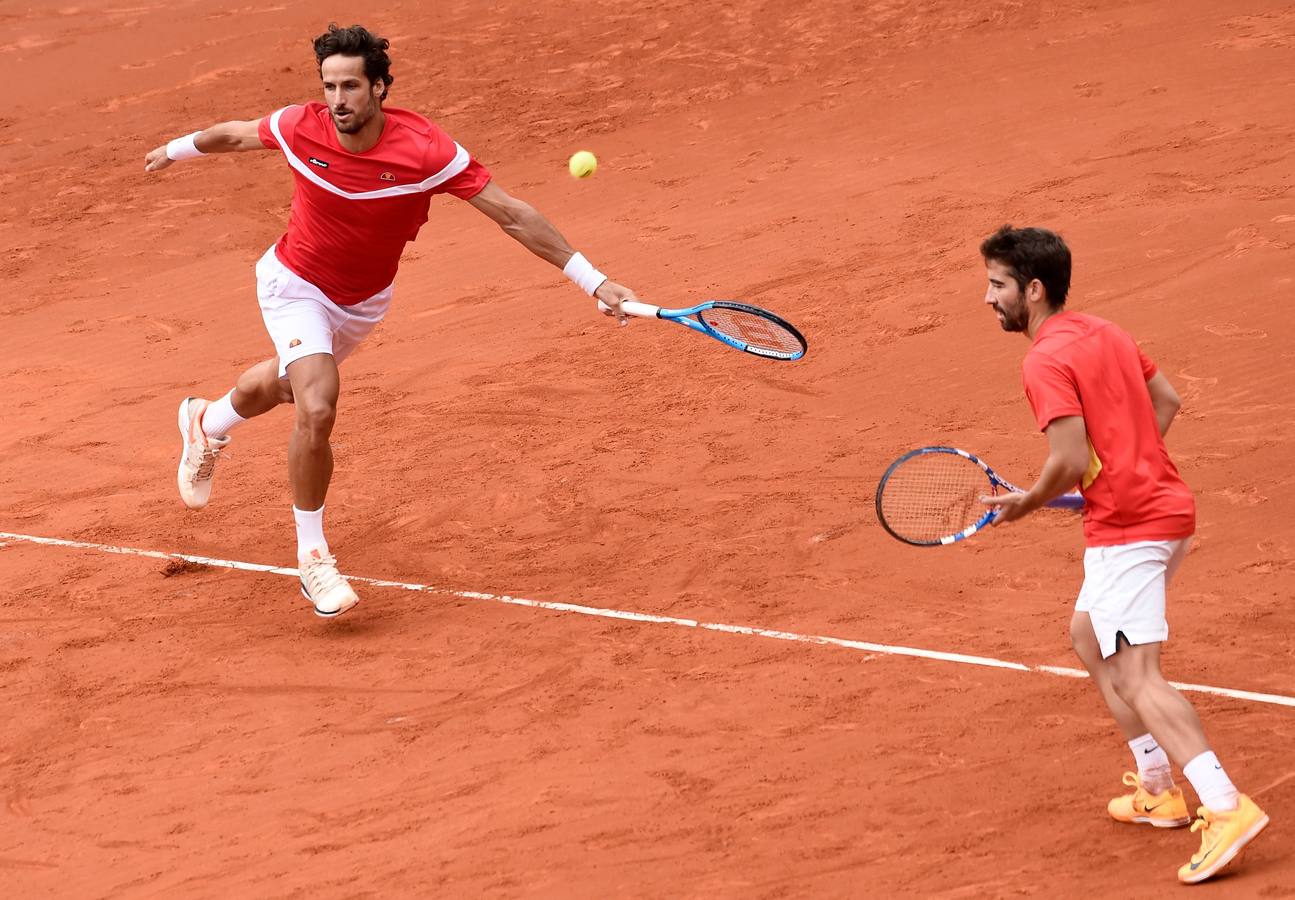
(1105, 408)
(364, 174)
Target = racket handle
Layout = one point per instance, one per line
(633, 308)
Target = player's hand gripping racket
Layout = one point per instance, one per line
(931, 496)
(739, 325)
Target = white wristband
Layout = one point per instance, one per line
(582, 272)
(184, 148)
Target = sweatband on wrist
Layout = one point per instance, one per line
(582, 272)
(183, 148)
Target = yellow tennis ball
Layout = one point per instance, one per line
(582, 164)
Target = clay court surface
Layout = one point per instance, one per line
(169, 729)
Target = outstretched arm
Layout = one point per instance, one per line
(227, 137)
(528, 227)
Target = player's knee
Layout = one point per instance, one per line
(316, 415)
(1078, 639)
(275, 391)
(1084, 640)
(262, 387)
(1124, 686)
(1129, 682)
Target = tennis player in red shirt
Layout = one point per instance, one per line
(364, 175)
(1105, 409)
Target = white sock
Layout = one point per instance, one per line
(1212, 784)
(310, 531)
(1153, 765)
(220, 417)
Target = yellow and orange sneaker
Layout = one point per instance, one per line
(1223, 836)
(1166, 810)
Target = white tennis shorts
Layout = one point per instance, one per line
(1124, 590)
(303, 322)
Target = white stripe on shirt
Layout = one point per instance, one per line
(452, 168)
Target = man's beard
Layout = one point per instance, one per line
(1012, 321)
(355, 124)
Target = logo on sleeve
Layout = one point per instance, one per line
(387, 176)
(317, 162)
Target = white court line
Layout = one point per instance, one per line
(886, 649)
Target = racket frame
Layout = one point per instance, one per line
(687, 318)
(996, 481)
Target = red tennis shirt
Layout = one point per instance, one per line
(353, 213)
(1080, 365)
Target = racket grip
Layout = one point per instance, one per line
(633, 308)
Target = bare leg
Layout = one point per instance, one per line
(260, 389)
(1089, 651)
(1135, 676)
(315, 387)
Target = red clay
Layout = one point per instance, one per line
(200, 733)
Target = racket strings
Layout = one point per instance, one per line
(751, 329)
(933, 496)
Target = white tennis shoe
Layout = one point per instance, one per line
(198, 455)
(324, 586)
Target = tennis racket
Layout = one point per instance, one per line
(739, 325)
(931, 496)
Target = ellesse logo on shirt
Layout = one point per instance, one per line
(317, 162)
(387, 176)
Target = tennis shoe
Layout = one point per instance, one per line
(1223, 836)
(198, 455)
(324, 586)
(1164, 810)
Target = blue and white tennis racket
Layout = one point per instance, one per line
(931, 496)
(739, 325)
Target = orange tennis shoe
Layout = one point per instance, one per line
(1165, 810)
(1223, 836)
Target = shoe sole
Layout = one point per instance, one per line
(1160, 822)
(327, 615)
(183, 422)
(1231, 854)
(1156, 823)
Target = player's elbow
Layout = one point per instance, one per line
(515, 216)
(514, 228)
(523, 224)
(1073, 465)
(1163, 395)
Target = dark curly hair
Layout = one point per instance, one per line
(1032, 253)
(357, 41)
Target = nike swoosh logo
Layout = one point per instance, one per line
(1195, 865)
(1146, 808)
(1152, 750)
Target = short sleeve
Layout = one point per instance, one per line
(1149, 368)
(289, 116)
(1051, 390)
(266, 135)
(468, 183)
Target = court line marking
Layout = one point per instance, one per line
(823, 640)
